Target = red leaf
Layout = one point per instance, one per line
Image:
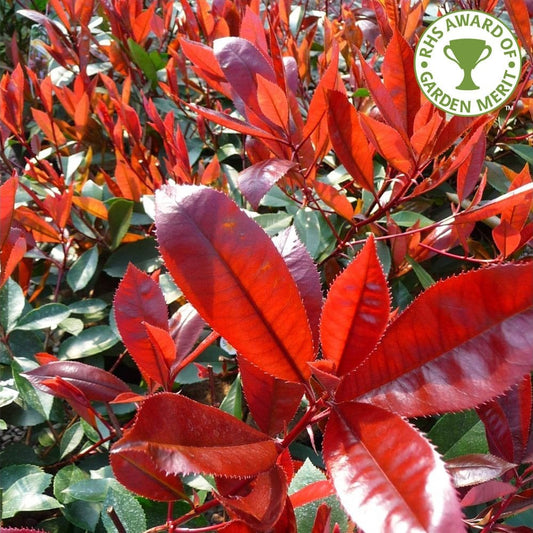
(400, 80)
(196, 438)
(383, 99)
(232, 123)
(255, 181)
(136, 471)
(304, 273)
(7, 202)
(241, 62)
(322, 523)
(185, 326)
(259, 502)
(387, 475)
(476, 468)
(492, 490)
(349, 141)
(74, 396)
(272, 402)
(230, 271)
(519, 15)
(139, 301)
(11, 254)
(334, 199)
(356, 311)
(507, 235)
(389, 144)
(469, 173)
(508, 201)
(508, 421)
(453, 348)
(95, 383)
(42, 230)
(316, 125)
(273, 103)
(204, 63)
(312, 492)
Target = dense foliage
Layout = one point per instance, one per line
(251, 280)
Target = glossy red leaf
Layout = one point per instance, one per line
(312, 492)
(317, 116)
(11, 253)
(453, 348)
(139, 301)
(272, 101)
(231, 272)
(241, 62)
(74, 396)
(383, 100)
(7, 202)
(256, 180)
(387, 475)
(508, 201)
(486, 492)
(349, 140)
(181, 436)
(469, 173)
(40, 228)
(333, 198)
(521, 19)
(304, 273)
(508, 421)
(231, 122)
(185, 326)
(137, 472)
(97, 384)
(400, 80)
(507, 235)
(356, 311)
(473, 469)
(388, 143)
(322, 523)
(259, 502)
(272, 402)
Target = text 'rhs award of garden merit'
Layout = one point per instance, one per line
(467, 63)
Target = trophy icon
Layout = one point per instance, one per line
(467, 53)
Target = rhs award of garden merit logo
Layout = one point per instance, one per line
(467, 63)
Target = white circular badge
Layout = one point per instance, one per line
(467, 63)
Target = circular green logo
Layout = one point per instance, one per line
(467, 63)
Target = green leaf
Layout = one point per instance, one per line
(46, 316)
(305, 514)
(11, 304)
(67, 476)
(82, 271)
(273, 223)
(88, 490)
(128, 510)
(7, 395)
(37, 400)
(74, 326)
(85, 515)
(425, 279)
(409, 218)
(89, 306)
(143, 60)
(457, 434)
(119, 218)
(89, 342)
(23, 486)
(143, 254)
(71, 439)
(232, 403)
(524, 151)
